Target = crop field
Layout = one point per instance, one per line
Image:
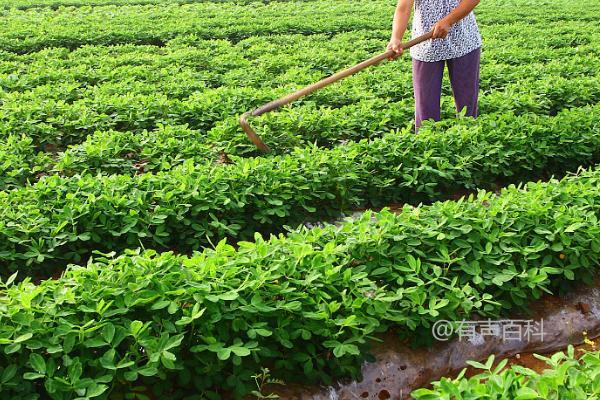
(149, 251)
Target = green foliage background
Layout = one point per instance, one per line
(115, 116)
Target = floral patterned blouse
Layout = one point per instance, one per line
(463, 37)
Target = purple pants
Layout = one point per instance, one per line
(427, 83)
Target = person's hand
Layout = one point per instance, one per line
(396, 46)
(441, 30)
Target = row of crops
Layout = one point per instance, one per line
(187, 321)
(103, 121)
(60, 220)
(30, 30)
(147, 250)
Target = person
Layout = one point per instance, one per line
(456, 43)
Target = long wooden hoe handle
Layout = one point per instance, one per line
(253, 136)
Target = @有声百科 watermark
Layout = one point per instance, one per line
(522, 330)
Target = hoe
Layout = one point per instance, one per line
(253, 136)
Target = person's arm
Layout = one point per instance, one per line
(401, 18)
(441, 29)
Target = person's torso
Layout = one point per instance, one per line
(463, 38)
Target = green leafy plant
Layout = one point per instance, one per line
(60, 220)
(566, 377)
(303, 305)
